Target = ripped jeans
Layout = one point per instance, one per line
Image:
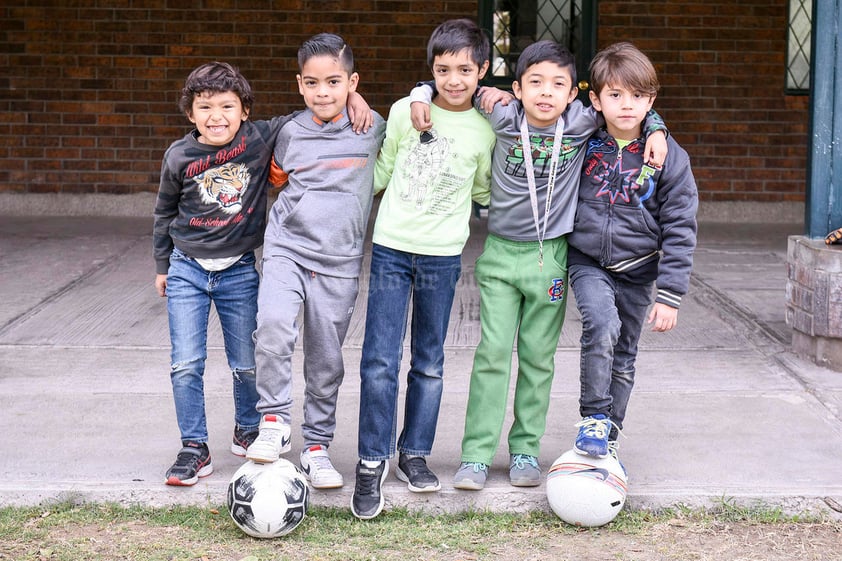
(190, 291)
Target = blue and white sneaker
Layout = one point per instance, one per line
(593, 436)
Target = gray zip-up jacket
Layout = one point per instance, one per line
(320, 218)
(631, 216)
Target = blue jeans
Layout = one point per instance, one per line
(190, 291)
(431, 282)
(613, 311)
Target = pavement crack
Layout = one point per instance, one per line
(79, 280)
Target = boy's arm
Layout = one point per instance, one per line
(655, 151)
(166, 210)
(662, 317)
(359, 113)
(678, 200)
(385, 163)
(481, 190)
(488, 97)
(277, 176)
(161, 284)
(420, 99)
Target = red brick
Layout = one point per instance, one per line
(104, 97)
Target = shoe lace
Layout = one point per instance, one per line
(476, 466)
(367, 482)
(520, 461)
(594, 428)
(613, 449)
(321, 462)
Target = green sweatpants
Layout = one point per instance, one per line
(516, 299)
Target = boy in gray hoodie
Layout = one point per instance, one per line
(313, 252)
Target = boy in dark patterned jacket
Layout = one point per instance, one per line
(635, 227)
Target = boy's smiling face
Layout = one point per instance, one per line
(457, 77)
(217, 116)
(545, 90)
(325, 85)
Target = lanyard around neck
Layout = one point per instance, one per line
(530, 179)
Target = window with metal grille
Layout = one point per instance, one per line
(799, 31)
(514, 24)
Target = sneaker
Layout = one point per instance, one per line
(471, 476)
(242, 440)
(368, 501)
(272, 441)
(593, 436)
(315, 462)
(192, 462)
(524, 471)
(414, 471)
(613, 448)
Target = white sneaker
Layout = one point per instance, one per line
(272, 441)
(315, 462)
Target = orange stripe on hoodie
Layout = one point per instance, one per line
(277, 176)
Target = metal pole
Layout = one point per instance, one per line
(823, 207)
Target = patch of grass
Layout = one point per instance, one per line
(72, 531)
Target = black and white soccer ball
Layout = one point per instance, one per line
(268, 500)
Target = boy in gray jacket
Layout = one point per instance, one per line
(635, 226)
(312, 256)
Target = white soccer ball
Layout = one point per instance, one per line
(586, 491)
(268, 500)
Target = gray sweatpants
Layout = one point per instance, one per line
(328, 304)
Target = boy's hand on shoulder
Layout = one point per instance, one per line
(359, 113)
(419, 114)
(161, 285)
(490, 96)
(655, 151)
(662, 317)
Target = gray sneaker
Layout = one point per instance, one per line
(524, 471)
(471, 476)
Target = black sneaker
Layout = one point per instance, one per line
(414, 471)
(242, 440)
(367, 501)
(193, 462)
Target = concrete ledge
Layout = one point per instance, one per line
(751, 212)
(498, 498)
(141, 205)
(66, 204)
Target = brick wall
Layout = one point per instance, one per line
(721, 65)
(88, 93)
